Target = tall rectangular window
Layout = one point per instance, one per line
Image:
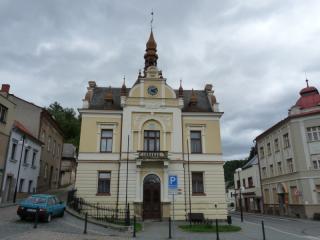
(279, 165)
(313, 133)
(250, 182)
(49, 143)
(3, 113)
(195, 137)
(197, 183)
(290, 165)
(21, 185)
(151, 141)
(54, 147)
(269, 148)
(264, 172)
(26, 153)
(276, 145)
(106, 141)
(286, 142)
(238, 184)
(30, 186)
(34, 155)
(244, 182)
(13, 150)
(261, 152)
(104, 182)
(271, 170)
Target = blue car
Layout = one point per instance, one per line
(49, 206)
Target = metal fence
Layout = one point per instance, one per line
(99, 211)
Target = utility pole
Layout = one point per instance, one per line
(17, 182)
(189, 183)
(127, 173)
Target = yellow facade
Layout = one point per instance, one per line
(149, 128)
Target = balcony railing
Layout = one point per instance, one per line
(153, 154)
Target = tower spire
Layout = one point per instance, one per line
(151, 55)
(151, 22)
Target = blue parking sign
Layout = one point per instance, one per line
(173, 182)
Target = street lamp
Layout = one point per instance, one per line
(238, 170)
(17, 182)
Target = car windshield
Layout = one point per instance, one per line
(36, 200)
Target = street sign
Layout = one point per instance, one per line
(173, 182)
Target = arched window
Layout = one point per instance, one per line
(151, 178)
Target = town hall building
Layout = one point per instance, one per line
(134, 139)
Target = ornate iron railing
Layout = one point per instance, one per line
(99, 211)
(153, 154)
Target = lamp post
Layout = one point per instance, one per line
(238, 170)
(17, 182)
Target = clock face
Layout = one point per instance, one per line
(152, 90)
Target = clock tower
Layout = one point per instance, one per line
(134, 139)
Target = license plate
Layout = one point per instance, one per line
(31, 210)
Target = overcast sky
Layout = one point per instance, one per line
(254, 52)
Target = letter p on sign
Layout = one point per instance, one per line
(173, 182)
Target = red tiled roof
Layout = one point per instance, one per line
(309, 98)
(24, 130)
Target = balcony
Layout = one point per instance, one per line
(153, 155)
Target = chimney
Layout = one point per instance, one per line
(5, 88)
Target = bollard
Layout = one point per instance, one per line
(229, 220)
(36, 218)
(263, 232)
(134, 226)
(170, 228)
(127, 216)
(85, 223)
(217, 229)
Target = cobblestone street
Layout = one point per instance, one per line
(68, 227)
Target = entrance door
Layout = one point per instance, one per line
(151, 197)
(8, 189)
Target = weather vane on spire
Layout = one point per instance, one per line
(151, 22)
(307, 81)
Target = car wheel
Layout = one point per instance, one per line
(22, 218)
(49, 217)
(62, 214)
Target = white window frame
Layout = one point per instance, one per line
(106, 126)
(202, 129)
(313, 133)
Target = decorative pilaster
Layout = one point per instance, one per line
(138, 184)
(165, 184)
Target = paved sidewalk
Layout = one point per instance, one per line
(279, 229)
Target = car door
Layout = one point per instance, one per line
(59, 206)
(55, 207)
(50, 206)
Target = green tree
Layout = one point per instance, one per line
(68, 121)
(229, 168)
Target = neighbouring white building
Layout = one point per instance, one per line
(289, 155)
(249, 179)
(24, 151)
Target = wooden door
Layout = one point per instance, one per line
(151, 197)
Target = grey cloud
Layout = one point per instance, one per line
(253, 52)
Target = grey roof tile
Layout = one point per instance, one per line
(98, 102)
